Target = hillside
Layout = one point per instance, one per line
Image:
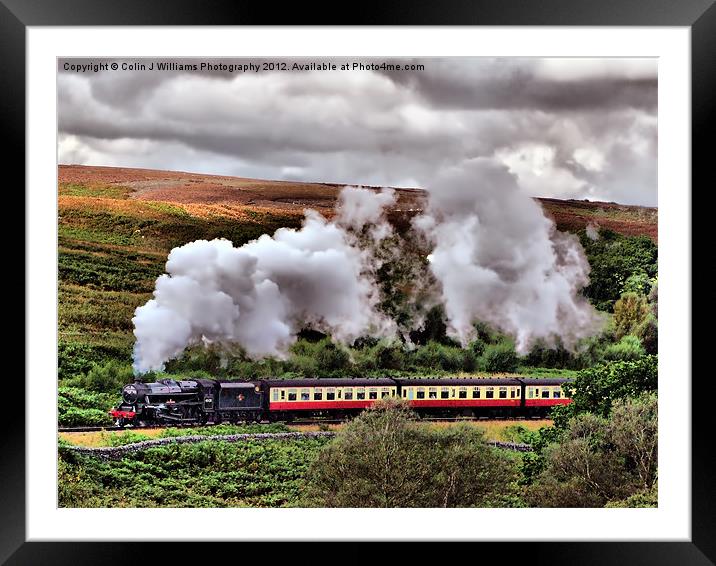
(116, 226)
(210, 196)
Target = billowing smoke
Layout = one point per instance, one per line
(261, 294)
(592, 231)
(500, 260)
(494, 257)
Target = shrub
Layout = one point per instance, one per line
(648, 332)
(597, 460)
(596, 389)
(389, 356)
(629, 312)
(628, 348)
(108, 378)
(331, 357)
(382, 459)
(427, 356)
(477, 347)
(500, 358)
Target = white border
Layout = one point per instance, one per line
(671, 521)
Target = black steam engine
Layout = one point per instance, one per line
(191, 401)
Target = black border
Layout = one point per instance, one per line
(699, 15)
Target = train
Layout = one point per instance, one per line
(199, 401)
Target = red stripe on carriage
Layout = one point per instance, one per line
(546, 402)
(319, 405)
(464, 402)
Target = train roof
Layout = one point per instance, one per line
(545, 380)
(465, 381)
(332, 382)
(423, 381)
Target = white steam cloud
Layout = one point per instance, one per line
(261, 294)
(494, 256)
(500, 260)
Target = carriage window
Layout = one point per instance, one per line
(384, 393)
(405, 392)
(360, 393)
(545, 394)
(348, 395)
(513, 392)
(318, 395)
(475, 392)
(330, 394)
(291, 394)
(445, 393)
(556, 394)
(535, 392)
(462, 393)
(372, 393)
(274, 394)
(489, 392)
(503, 392)
(432, 393)
(305, 395)
(421, 393)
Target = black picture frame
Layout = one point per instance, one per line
(698, 15)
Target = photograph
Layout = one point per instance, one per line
(357, 282)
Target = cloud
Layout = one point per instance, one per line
(593, 120)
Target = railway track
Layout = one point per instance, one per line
(301, 422)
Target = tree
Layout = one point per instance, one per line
(595, 389)
(654, 298)
(598, 461)
(629, 312)
(384, 458)
(618, 263)
(633, 432)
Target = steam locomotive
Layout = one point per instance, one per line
(199, 401)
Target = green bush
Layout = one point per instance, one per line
(77, 407)
(108, 378)
(595, 389)
(628, 348)
(477, 347)
(331, 357)
(382, 459)
(500, 358)
(629, 312)
(648, 333)
(389, 356)
(597, 461)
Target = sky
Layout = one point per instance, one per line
(566, 128)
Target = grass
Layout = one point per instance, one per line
(97, 191)
(502, 430)
(267, 473)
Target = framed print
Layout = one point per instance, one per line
(392, 279)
